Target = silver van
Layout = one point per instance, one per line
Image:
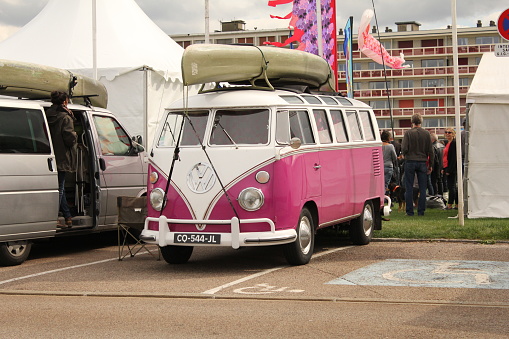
(109, 164)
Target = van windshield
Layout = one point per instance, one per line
(193, 131)
(240, 127)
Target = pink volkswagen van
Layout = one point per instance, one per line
(257, 168)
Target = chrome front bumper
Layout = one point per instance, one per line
(235, 239)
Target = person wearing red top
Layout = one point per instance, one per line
(449, 165)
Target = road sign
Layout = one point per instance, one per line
(502, 50)
(503, 24)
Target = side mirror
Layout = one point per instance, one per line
(295, 142)
(137, 146)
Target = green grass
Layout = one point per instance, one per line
(436, 224)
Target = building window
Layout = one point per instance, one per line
(375, 65)
(379, 104)
(405, 83)
(379, 85)
(406, 44)
(224, 41)
(384, 123)
(433, 83)
(432, 63)
(357, 66)
(409, 63)
(462, 41)
(356, 86)
(429, 103)
(433, 122)
(245, 40)
(486, 40)
(432, 43)
(464, 81)
(266, 39)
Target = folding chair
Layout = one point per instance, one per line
(132, 212)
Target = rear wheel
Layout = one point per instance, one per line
(14, 252)
(300, 251)
(361, 229)
(176, 254)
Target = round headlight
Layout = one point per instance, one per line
(154, 177)
(251, 199)
(262, 177)
(156, 199)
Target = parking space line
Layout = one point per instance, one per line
(259, 274)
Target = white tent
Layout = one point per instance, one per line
(137, 62)
(488, 139)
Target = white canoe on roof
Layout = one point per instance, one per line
(204, 63)
(33, 81)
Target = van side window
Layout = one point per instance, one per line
(312, 99)
(339, 125)
(355, 127)
(300, 127)
(23, 131)
(240, 127)
(367, 125)
(322, 125)
(113, 139)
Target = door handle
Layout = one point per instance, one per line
(50, 164)
(317, 167)
(102, 164)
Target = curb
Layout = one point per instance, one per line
(471, 241)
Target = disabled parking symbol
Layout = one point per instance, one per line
(431, 273)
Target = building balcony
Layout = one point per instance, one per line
(424, 111)
(399, 132)
(407, 92)
(428, 51)
(409, 72)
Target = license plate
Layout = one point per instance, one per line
(197, 238)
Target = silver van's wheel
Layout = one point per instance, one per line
(361, 228)
(300, 251)
(176, 254)
(14, 252)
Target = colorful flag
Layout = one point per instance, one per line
(303, 20)
(347, 50)
(372, 48)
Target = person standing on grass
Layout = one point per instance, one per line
(418, 152)
(450, 171)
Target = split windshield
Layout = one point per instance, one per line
(229, 128)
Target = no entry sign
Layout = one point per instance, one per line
(503, 24)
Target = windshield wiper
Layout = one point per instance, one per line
(216, 123)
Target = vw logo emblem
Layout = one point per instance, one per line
(201, 178)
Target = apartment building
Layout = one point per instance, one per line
(425, 87)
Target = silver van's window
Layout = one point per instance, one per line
(344, 101)
(328, 100)
(113, 139)
(322, 125)
(193, 131)
(355, 127)
(367, 125)
(339, 125)
(300, 127)
(292, 99)
(312, 99)
(23, 131)
(240, 127)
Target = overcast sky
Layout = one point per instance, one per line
(178, 17)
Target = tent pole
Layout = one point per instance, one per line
(459, 163)
(94, 38)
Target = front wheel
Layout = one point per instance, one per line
(176, 254)
(300, 251)
(14, 252)
(361, 228)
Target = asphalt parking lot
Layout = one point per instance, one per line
(436, 288)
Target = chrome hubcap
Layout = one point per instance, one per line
(367, 222)
(305, 235)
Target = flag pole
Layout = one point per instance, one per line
(459, 163)
(207, 21)
(94, 38)
(319, 26)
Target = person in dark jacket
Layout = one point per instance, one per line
(418, 153)
(450, 168)
(61, 124)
